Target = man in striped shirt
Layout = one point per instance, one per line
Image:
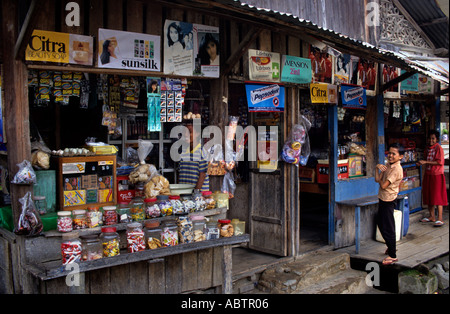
(193, 165)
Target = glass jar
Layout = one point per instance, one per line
(226, 228)
(198, 223)
(221, 200)
(151, 208)
(110, 241)
(199, 200)
(79, 219)
(94, 217)
(91, 247)
(140, 190)
(109, 215)
(185, 228)
(212, 230)
(169, 233)
(70, 248)
(188, 203)
(209, 200)
(152, 234)
(239, 226)
(137, 209)
(164, 205)
(41, 204)
(177, 205)
(64, 221)
(124, 212)
(135, 237)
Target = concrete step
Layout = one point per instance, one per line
(320, 272)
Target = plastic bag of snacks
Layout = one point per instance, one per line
(25, 175)
(29, 223)
(144, 172)
(296, 149)
(228, 184)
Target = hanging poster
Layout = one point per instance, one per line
(264, 66)
(425, 84)
(321, 64)
(342, 69)
(411, 84)
(323, 93)
(127, 50)
(389, 73)
(153, 104)
(207, 48)
(367, 75)
(265, 97)
(353, 96)
(296, 70)
(60, 48)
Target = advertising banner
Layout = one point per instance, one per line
(265, 98)
(127, 50)
(323, 93)
(353, 96)
(411, 84)
(264, 66)
(56, 47)
(296, 70)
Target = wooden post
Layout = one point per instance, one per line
(17, 124)
(227, 267)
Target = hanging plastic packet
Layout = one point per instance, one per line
(29, 223)
(25, 175)
(296, 149)
(144, 172)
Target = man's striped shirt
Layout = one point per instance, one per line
(191, 164)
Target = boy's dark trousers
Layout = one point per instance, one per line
(386, 223)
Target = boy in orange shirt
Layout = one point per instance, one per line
(389, 177)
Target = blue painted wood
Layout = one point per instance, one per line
(380, 126)
(357, 227)
(333, 131)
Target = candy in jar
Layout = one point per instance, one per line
(185, 228)
(212, 230)
(91, 247)
(109, 215)
(110, 241)
(199, 200)
(188, 203)
(151, 208)
(198, 225)
(94, 217)
(226, 228)
(152, 234)
(164, 205)
(177, 205)
(135, 237)
(169, 234)
(71, 248)
(64, 221)
(79, 219)
(137, 210)
(209, 200)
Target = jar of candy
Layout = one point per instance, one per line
(211, 230)
(70, 248)
(79, 219)
(169, 233)
(152, 234)
(185, 228)
(135, 237)
(199, 200)
(64, 221)
(151, 208)
(110, 241)
(91, 247)
(140, 190)
(177, 205)
(226, 228)
(41, 204)
(198, 223)
(124, 212)
(109, 215)
(209, 200)
(94, 217)
(188, 203)
(137, 210)
(164, 205)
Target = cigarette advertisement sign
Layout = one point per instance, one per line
(264, 66)
(56, 47)
(353, 96)
(323, 93)
(296, 70)
(265, 98)
(127, 50)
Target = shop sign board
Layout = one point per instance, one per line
(411, 84)
(296, 70)
(323, 93)
(191, 49)
(127, 50)
(264, 66)
(265, 97)
(57, 47)
(353, 96)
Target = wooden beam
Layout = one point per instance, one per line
(442, 92)
(396, 81)
(27, 29)
(241, 50)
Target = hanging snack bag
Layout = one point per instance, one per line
(144, 172)
(25, 175)
(29, 223)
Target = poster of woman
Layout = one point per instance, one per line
(178, 52)
(342, 69)
(207, 50)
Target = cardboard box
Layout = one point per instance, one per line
(355, 166)
(307, 175)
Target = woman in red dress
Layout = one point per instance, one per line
(434, 189)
